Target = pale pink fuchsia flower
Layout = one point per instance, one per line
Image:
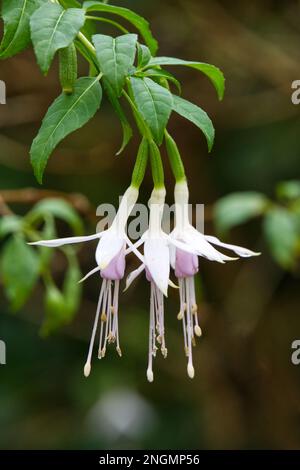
(184, 260)
(111, 250)
(156, 264)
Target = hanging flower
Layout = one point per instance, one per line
(184, 260)
(111, 250)
(156, 264)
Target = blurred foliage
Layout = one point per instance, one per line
(22, 265)
(280, 219)
(246, 391)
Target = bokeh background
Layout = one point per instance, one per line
(246, 392)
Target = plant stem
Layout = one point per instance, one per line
(106, 20)
(143, 128)
(140, 164)
(84, 40)
(156, 166)
(175, 159)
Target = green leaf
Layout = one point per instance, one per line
(48, 233)
(72, 289)
(16, 15)
(55, 310)
(70, 3)
(138, 21)
(160, 73)
(56, 208)
(20, 270)
(281, 232)
(213, 73)
(115, 57)
(238, 208)
(197, 116)
(288, 190)
(10, 224)
(54, 28)
(154, 103)
(144, 55)
(61, 306)
(127, 131)
(64, 116)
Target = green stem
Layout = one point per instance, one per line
(175, 158)
(156, 166)
(84, 40)
(106, 20)
(143, 128)
(140, 164)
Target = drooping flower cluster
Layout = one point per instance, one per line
(161, 252)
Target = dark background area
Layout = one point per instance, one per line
(246, 392)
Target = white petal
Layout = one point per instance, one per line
(93, 271)
(66, 241)
(198, 241)
(183, 246)
(172, 254)
(133, 248)
(108, 247)
(157, 258)
(239, 250)
(171, 284)
(133, 275)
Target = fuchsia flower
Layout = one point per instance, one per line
(184, 261)
(179, 250)
(111, 250)
(156, 263)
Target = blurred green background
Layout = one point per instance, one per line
(246, 392)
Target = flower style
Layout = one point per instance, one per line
(110, 257)
(184, 260)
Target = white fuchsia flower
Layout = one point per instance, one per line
(111, 250)
(184, 260)
(156, 264)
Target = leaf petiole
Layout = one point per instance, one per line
(111, 22)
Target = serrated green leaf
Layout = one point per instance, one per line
(138, 21)
(238, 208)
(213, 73)
(127, 131)
(282, 234)
(10, 224)
(16, 15)
(20, 270)
(115, 57)
(57, 208)
(64, 116)
(161, 74)
(144, 55)
(54, 28)
(197, 116)
(154, 103)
